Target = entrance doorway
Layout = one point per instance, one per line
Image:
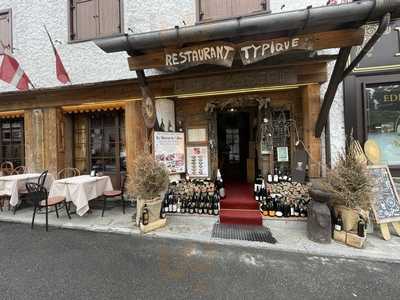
(233, 145)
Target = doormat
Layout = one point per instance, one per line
(243, 233)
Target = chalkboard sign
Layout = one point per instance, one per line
(386, 204)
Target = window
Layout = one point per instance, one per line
(99, 143)
(90, 19)
(383, 115)
(5, 30)
(209, 10)
(12, 141)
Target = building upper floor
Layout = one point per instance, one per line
(74, 24)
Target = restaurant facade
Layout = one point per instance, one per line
(245, 92)
(372, 98)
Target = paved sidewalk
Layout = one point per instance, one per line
(291, 235)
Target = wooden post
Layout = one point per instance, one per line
(135, 133)
(311, 106)
(43, 140)
(33, 120)
(385, 231)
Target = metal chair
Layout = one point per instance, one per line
(42, 178)
(115, 194)
(68, 172)
(41, 200)
(20, 170)
(26, 195)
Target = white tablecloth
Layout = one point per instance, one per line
(80, 190)
(13, 184)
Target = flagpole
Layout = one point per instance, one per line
(54, 49)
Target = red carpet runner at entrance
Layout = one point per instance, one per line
(239, 206)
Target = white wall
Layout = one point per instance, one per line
(86, 63)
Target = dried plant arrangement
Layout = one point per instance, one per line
(149, 178)
(349, 181)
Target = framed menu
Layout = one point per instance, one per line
(197, 161)
(169, 149)
(197, 135)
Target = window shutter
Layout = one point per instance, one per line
(5, 31)
(246, 7)
(84, 19)
(212, 9)
(219, 9)
(109, 17)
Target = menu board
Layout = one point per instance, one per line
(386, 204)
(197, 161)
(169, 148)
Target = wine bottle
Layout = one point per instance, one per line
(269, 178)
(257, 194)
(162, 126)
(166, 197)
(162, 213)
(339, 223)
(361, 228)
(272, 208)
(280, 176)
(276, 176)
(145, 215)
(169, 126)
(279, 209)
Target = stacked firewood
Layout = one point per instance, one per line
(292, 191)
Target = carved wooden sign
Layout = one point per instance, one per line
(252, 52)
(223, 53)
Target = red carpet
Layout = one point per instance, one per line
(239, 206)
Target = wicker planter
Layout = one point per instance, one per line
(154, 207)
(350, 217)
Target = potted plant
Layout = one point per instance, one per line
(149, 179)
(350, 186)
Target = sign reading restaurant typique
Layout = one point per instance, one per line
(223, 53)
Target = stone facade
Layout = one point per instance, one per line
(86, 63)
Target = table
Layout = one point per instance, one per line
(80, 190)
(11, 185)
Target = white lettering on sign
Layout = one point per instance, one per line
(257, 51)
(211, 54)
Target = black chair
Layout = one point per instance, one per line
(40, 199)
(25, 195)
(42, 178)
(115, 194)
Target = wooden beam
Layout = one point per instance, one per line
(311, 106)
(336, 78)
(313, 41)
(135, 133)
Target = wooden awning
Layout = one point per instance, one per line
(12, 114)
(93, 107)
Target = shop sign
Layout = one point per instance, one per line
(223, 53)
(253, 52)
(217, 54)
(169, 149)
(386, 52)
(197, 161)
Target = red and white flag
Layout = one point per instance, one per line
(61, 73)
(11, 72)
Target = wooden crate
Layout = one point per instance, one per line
(153, 226)
(340, 236)
(353, 240)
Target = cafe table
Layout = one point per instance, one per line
(80, 190)
(12, 185)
